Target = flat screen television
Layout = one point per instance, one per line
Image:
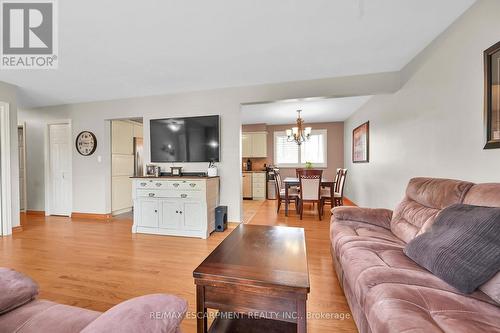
(194, 139)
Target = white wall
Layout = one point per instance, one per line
(8, 95)
(433, 126)
(92, 180)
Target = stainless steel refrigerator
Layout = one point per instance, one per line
(138, 157)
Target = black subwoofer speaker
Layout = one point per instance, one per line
(221, 218)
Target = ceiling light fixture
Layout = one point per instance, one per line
(299, 133)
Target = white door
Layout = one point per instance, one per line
(60, 169)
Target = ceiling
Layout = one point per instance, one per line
(114, 49)
(314, 110)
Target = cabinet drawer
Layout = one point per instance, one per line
(259, 192)
(259, 185)
(185, 185)
(259, 176)
(169, 194)
(145, 183)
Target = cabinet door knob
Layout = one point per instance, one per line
(151, 194)
(183, 195)
(176, 184)
(176, 212)
(158, 184)
(192, 184)
(144, 184)
(180, 212)
(156, 210)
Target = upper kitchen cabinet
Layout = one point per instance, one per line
(254, 144)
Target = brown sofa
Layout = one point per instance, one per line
(387, 291)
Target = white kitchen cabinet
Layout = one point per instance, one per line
(246, 145)
(254, 144)
(259, 185)
(175, 206)
(259, 145)
(247, 185)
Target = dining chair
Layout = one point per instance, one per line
(339, 188)
(293, 194)
(326, 193)
(337, 199)
(310, 189)
(298, 171)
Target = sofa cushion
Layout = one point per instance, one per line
(406, 308)
(45, 316)
(462, 247)
(492, 288)
(425, 198)
(155, 313)
(16, 289)
(344, 232)
(366, 265)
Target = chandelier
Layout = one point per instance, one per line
(299, 133)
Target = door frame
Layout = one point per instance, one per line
(6, 184)
(48, 179)
(25, 188)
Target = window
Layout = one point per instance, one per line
(289, 154)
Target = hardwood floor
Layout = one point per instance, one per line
(96, 264)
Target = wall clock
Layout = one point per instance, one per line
(86, 143)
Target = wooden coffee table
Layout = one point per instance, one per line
(257, 278)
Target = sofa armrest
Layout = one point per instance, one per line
(377, 216)
(151, 313)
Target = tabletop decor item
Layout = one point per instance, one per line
(152, 170)
(176, 171)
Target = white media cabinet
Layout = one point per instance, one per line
(175, 206)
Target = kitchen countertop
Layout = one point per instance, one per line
(254, 171)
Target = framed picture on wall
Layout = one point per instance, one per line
(492, 96)
(361, 143)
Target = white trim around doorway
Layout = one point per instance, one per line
(6, 185)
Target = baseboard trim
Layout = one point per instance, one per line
(348, 202)
(121, 211)
(35, 212)
(17, 229)
(76, 215)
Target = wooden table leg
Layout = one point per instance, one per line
(201, 310)
(286, 199)
(301, 316)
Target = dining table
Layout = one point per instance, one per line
(295, 182)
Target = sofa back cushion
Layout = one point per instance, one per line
(424, 199)
(16, 289)
(487, 195)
